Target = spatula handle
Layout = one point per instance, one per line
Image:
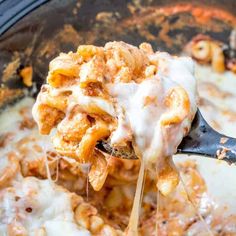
(203, 140)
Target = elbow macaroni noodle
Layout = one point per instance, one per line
(9, 172)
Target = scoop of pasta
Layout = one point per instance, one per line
(130, 96)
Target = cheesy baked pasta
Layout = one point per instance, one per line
(127, 95)
(130, 96)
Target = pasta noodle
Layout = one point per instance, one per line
(209, 51)
(9, 172)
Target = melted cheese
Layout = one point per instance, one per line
(153, 142)
(151, 138)
(132, 229)
(36, 204)
(144, 121)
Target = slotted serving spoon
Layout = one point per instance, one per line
(201, 140)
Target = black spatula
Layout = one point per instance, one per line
(201, 140)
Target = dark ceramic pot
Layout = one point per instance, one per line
(33, 32)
